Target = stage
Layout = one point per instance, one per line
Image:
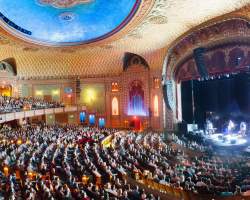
(227, 140)
(230, 142)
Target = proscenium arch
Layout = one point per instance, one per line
(207, 35)
(172, 59)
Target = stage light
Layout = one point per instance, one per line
(6, 171)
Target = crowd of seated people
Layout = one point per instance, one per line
(13, 104)
(62, 162)
(191, 142)
(70, 162)
(150, 156)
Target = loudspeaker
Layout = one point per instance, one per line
(78, 87)
(200, 61)
(182, 127)
(233, 141)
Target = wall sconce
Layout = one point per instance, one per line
(6, 171)
(19, 141)
(85, 179)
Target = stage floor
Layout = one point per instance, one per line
(229, 144)
(228, 140)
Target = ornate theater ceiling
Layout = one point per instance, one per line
(90, 37)
(66, 22)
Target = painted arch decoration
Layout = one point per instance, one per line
(223, 54)
(8, 65)
(131, 59)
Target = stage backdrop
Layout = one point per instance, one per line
(93, 97)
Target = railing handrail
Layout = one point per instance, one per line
(5, 117)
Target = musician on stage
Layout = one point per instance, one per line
(209, 127)
(230, 127)
(243, 128)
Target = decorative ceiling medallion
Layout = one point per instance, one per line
(63, 3)
(106, 46)
(135, 34)
(67, 16)
(31, 49)
(68, 50)
(4, 40)
(158, 19)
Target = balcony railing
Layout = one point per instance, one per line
(31, 113)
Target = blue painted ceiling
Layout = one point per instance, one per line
(79, 24)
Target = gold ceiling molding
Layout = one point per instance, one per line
(32, 49)
(4, 40)
(106, 46)
(155, 16)
(158, 19)
(63, 3)
(68, 50)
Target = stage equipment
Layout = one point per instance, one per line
(182, 127)
(200, 61)
(228, 140)
(209, 127)
(192, 127)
